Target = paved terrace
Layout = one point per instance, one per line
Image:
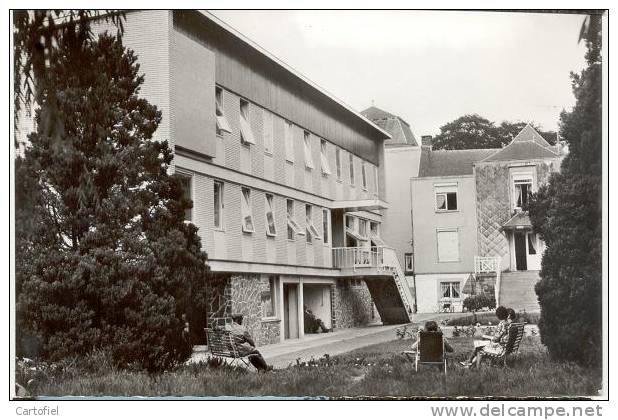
(281, 355)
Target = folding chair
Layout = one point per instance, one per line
(430, 350)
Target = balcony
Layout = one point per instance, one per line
(355, 258)
(377, 260)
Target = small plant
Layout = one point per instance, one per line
(405, 332)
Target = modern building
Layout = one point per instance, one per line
(457, 217)
(287, 182)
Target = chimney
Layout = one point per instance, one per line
(426, 141)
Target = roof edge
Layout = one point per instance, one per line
(290, 69)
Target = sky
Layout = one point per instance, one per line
(429, 67)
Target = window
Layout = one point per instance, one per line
(308, 158)
(364, 174)
(408, 262)
(269, 298)
(271, 229)
(311, 230)
(268, 132)
(338, 162)
(349, 222)
(374, 234)
(351, 168)
(246, 135)
(289, 142)
(218, 204)
(375, 176)
(523, 189)
(449, 289)
(293, 227)
(531, 244)
(187, 194)
(362, 227)
(325, 229)
(222, 124)
(247, 210)
(448, 245)
(446, 197)
(324, 159)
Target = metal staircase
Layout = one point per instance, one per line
(391, 262)
(384, 277)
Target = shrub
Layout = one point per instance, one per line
(478, 302)
(104, 258)
(567, 214)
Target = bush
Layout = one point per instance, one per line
(567, 214)
(104, 258)
(478, 302)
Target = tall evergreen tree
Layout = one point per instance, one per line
(567, 213)
(104, 257)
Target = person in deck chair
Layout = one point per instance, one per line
(245, 344)
(432, 326)
(494, 344)
(313, 323)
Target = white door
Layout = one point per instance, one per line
(533, 251)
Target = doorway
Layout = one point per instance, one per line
(290, 310)
(521, 263)
(527, 251)
(317, 299)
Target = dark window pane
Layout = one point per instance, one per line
(451, 199)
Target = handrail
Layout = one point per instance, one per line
(356, 257)
(490, 265)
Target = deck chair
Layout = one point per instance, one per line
(515, 334)
(430, 350)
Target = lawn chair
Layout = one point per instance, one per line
(516, 333)
(429, 351)
(221, 343)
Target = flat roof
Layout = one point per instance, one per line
(298, 74)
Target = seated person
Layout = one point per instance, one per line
(432, 326)
(312, 323)
(245, 344)
(495, 343)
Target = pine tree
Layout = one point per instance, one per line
(567, 213)
(104, 257)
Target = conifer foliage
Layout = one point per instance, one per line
(104, 259)
(567, 213)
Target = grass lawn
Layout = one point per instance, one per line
(379, 370)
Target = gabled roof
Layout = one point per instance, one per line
(528, 133)
(396, 126)
(450, 162)
(528, 144)
(519, 220)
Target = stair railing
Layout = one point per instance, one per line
(490, 265)
(391, 263)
